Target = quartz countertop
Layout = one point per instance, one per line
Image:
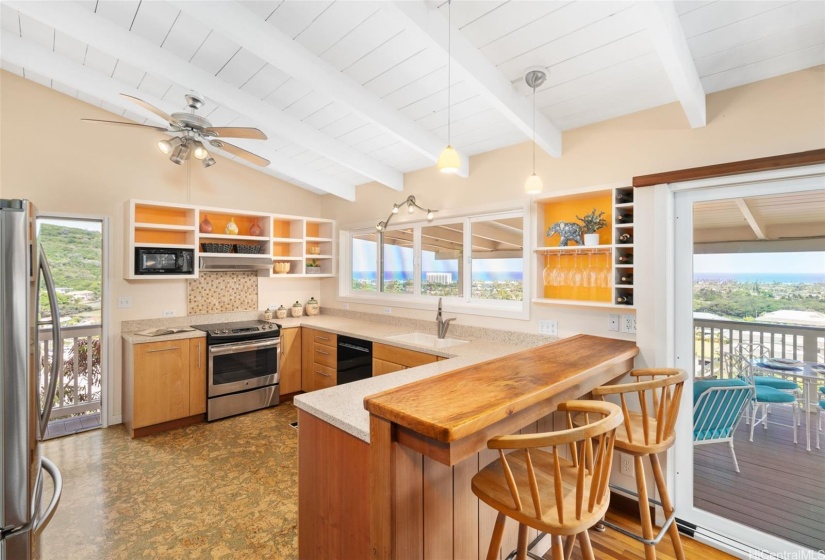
(135, 338)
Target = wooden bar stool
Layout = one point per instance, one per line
(646, 434)
(567, 496)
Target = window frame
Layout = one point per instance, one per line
(509, 309)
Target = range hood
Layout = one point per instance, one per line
(234, 264)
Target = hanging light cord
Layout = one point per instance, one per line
(449, 63)
(534, 130)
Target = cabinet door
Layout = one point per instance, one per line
(380, 367)
(197, 376)
(161, 382)
(290, 361)
(408, 358)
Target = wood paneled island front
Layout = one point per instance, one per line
(406, 493)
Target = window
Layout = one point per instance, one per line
(474, 262)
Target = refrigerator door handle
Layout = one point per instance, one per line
(57, 352)
(42, 520)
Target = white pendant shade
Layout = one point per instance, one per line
(449, 160)
(533, 185)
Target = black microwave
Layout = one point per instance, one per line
(151, 260)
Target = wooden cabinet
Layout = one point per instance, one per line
(387, 359)
(197, 376)
(290, 361)
(164, 384)
(320, 359)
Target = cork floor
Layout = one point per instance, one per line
(222, 490)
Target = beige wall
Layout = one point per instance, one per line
(67, 166)
(776, 116)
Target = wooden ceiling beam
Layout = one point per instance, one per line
(38, 59)
(668, 37)
(425, 21)
(757, 227)
(242, 26)
(99, 32)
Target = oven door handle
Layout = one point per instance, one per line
(236, 347)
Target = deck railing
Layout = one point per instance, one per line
(714, 338)
(78, 386)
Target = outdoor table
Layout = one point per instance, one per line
(810, 377)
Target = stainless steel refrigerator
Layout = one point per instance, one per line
(24, 414)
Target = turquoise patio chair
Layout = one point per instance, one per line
(755, 351)
(764, 396)
(718, 405)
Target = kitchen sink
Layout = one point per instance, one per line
(428, 340)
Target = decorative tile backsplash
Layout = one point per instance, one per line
(219, 292)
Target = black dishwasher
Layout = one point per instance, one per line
(354, 359)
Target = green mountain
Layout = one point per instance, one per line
(74, 258)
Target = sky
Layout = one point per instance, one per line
(790, 263)
(401, 258)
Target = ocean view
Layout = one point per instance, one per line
(478, 276)
(761, 277)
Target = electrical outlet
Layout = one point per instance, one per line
(613, 322)
(388, 310)
(550, 328)
(124, 302)
(629, 324)
(169, 313)
(626, 464)
(345, 306)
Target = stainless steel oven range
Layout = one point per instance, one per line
(242, 373)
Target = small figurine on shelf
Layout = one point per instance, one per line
(255, 229)
(231, 227)
(592, 224)
(313, 267)
(206, 225)
(312, 307)
(567, 232)
(280, 313)
(297, 310)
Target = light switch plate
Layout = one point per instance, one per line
(344, 306)
(550, 328)
(388, 310)
(613, 322)
(169, 313)
(124, 302)
(628, 324)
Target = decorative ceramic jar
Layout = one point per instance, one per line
(268, 314)
(231, 227)
(206, 225)
(314, 250)
(312, 307)
(296, 310)
(281, 267)
(280, 313)
(255, 229)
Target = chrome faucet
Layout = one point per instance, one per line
(443, 325)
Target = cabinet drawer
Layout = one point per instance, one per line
(325, 355)
(323, 377)
(328, 339)
(408, 358)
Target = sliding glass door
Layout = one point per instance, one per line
(750, 314)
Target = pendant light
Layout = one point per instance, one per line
(534, 79)
(449, 160)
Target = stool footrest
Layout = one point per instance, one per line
(533, 543)
(659, 536)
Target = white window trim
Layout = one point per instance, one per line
(465, 304)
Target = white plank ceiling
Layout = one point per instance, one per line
(600, 57)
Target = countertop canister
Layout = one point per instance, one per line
(281, 312)
(312, 307)
(297, 309)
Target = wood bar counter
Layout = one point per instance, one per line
(409, 488)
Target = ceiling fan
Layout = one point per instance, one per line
(191, 133)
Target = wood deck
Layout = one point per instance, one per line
(781, 489)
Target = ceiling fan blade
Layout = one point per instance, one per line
(151, 108)
(160, 128)
(240, 152)
(236, 132)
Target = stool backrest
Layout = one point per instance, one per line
(591, 452)
(660, 394)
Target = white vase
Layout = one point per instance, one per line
(591, 239)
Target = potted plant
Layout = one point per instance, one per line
(592, 223)
(313, 267)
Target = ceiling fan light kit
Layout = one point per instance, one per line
(534, 78)
(190, 133)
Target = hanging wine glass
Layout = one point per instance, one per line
(576, 273)
(607, 271)
(548, 271)
(592, 273)
(559, 277)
